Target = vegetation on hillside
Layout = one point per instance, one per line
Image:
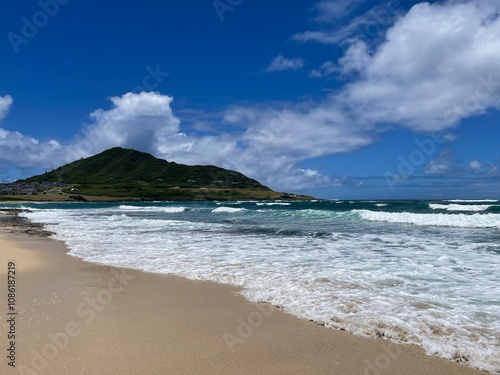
(127, 173)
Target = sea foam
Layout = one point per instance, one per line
(460, 207)
(229, 210)
(442, 220)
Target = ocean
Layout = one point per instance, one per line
(425, 273)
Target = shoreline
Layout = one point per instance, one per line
(79, 317)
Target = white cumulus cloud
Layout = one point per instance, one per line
(271, 143)
(438, 65)
(142, 121)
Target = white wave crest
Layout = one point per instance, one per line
(471, 200)
(460, 207)
(229, 210)
(441, 220)
(273, 204)
(150, 208)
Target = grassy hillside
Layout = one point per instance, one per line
(120, 165)
(126, 173)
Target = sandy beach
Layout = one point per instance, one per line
(75, 317)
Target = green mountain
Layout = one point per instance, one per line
(127, 173)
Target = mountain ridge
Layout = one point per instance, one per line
(128, 173)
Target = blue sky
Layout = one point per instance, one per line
(338, 99)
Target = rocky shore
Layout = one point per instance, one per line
(11, 222)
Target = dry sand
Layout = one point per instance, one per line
(78, 318)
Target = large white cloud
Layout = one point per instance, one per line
(438, 65)
(142, 121)
(271, 143)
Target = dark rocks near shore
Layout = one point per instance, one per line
(78, 198)
(11, 222)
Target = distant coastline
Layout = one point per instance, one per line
(185, 195)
